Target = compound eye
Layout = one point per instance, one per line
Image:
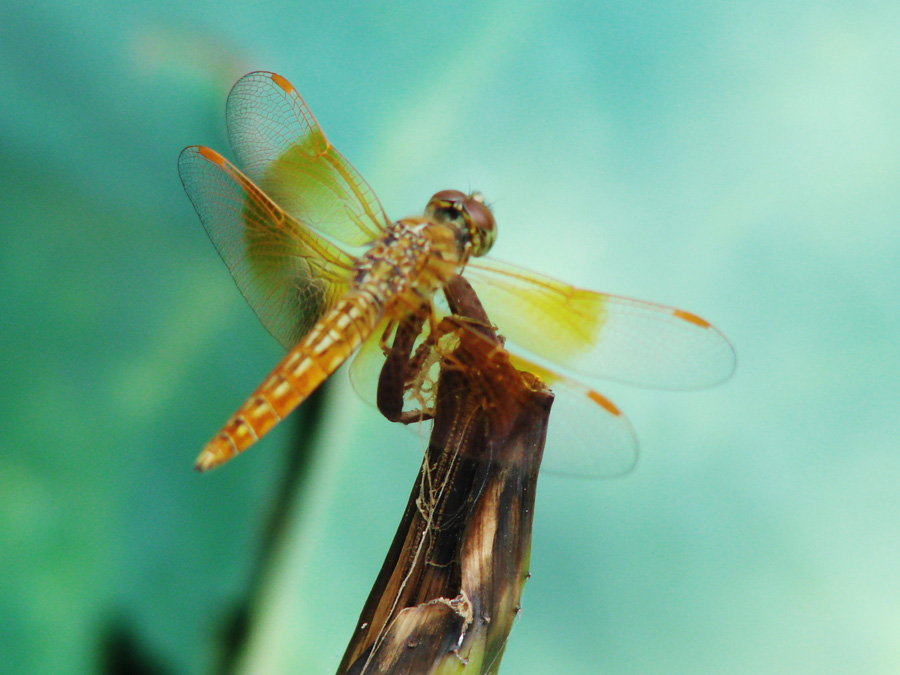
(447, 205)
(484, 227)
(469, 214)
(447, 198)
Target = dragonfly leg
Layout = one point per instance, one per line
(467, 309)
(409, 371)
(383, 341)
(399, 368)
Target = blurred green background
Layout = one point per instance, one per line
(737, 159)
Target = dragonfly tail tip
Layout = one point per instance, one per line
(205, 461)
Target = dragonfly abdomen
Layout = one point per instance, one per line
(327, 345)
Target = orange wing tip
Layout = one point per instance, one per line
(604, 402)
(691, 318)
(211, 155)
(283, 83)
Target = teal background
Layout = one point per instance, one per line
(738, 159)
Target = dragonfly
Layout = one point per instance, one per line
(329, 274)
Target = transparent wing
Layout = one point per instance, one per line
(288, 274)
(366, 365)
(587, 435)
(601, 335)
(280, 147)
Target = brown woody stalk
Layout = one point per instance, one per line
(449, 590)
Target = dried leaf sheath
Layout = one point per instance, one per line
(448, 592)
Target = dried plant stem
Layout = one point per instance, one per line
(449, 590)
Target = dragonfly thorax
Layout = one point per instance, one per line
(410, 261)
(414, 257)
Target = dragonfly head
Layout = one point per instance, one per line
(468, 215)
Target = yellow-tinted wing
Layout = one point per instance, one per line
(280, 147)
(601, 335)
(288, 274)
(587, 436)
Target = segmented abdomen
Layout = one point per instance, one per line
(327, 345)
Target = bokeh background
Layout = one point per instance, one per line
(737, 159)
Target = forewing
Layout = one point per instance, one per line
(280, 147)
(601, 335)
(288, 274)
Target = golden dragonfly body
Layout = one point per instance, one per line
(281, 223)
